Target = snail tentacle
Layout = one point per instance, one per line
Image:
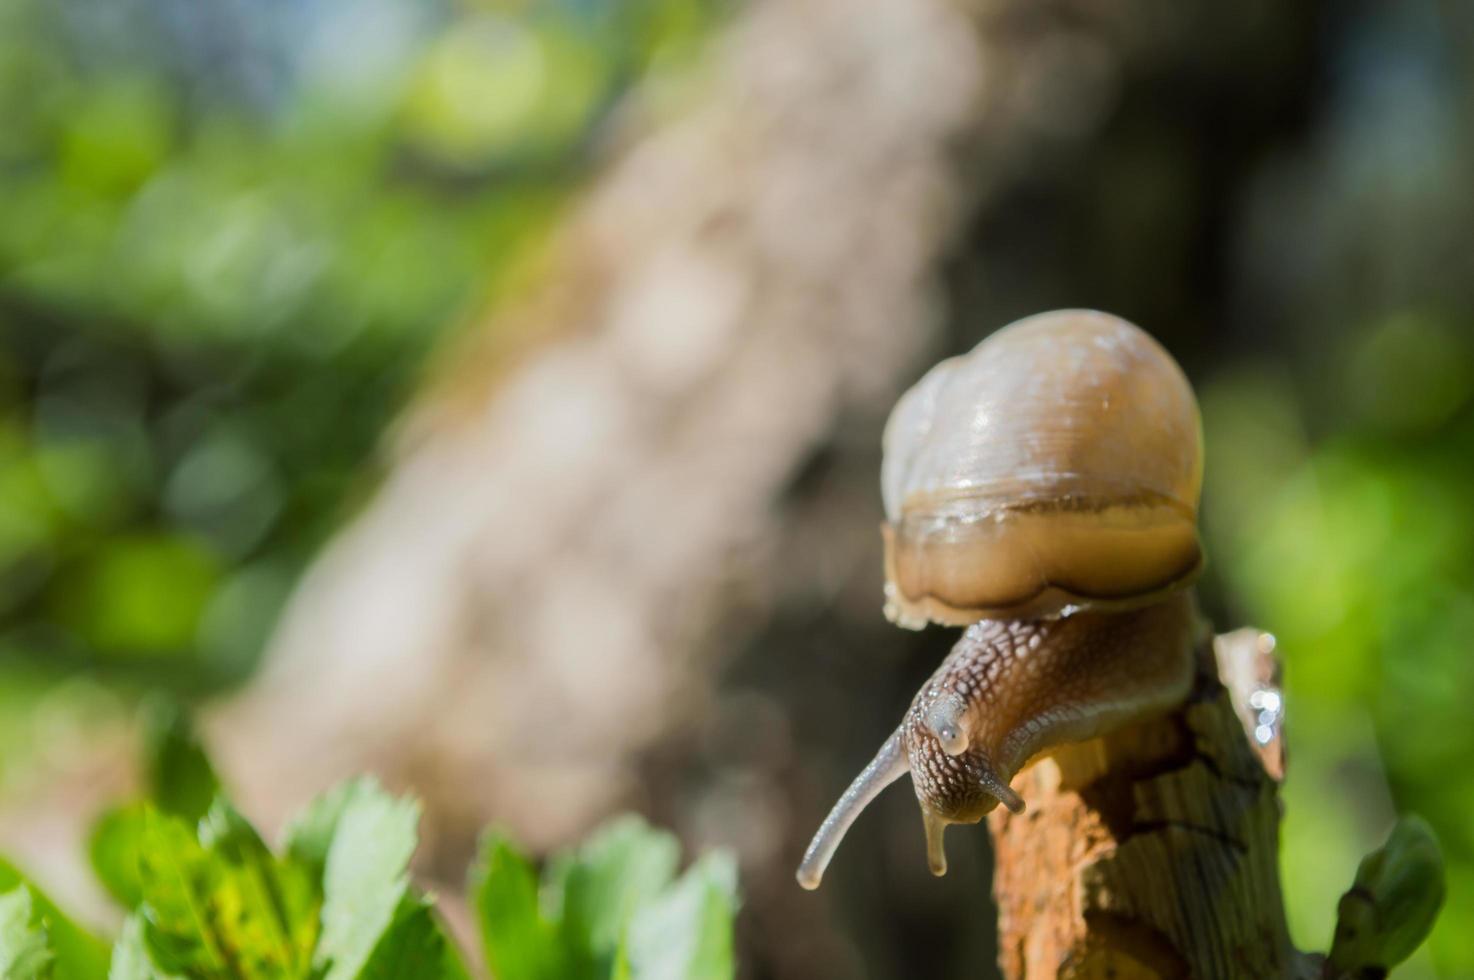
(1001, 791)
(888, 765)
(936, 852)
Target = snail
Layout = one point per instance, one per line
(1042, 491)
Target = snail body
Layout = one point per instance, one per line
(1042, 490)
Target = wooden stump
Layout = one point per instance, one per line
(1153, 852)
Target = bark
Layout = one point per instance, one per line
(1154, 851)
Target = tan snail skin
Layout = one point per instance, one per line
(1042, 490)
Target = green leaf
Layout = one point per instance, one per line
(452, 963)
(1393, 903)
(608, 908)
(24, 951)
(365, 879)
(309, 834)
(114, 848)
(181, 782)
(130, 955)
(413, 947)
(520, 943)
(686, 932)
(598, 889)
(179, 882)
(356, 840)
(280, 900)
(220, 905)
(79, 954)
(181, 779)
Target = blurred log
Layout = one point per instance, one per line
(1154, 852)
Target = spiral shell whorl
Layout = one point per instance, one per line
(1057, 464)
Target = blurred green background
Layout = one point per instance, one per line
(230, 233)
(233, 233)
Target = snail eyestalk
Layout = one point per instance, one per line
(946, 722)
(888, 765)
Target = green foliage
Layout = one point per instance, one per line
(517, 939)
(339, 903)
(366, 890)
(1393, 903)
(131, 960)
(412, 947)
(115, 848)
(212, 904)
(1358, 553)
(686, 931)
(76, 954)
(209, 899)
(181, 779)
(24, 953)
(218, 283)
(607, 909)
(309, 835)
(181, 782)
(598, 887)
(215, 902)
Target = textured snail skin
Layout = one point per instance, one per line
(1011, 690)
(1056, 464)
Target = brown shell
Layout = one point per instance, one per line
(1058, 464)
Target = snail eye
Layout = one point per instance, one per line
(944, 720)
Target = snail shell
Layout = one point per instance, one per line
(1056, 465)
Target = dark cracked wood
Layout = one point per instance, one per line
(1153, 852)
